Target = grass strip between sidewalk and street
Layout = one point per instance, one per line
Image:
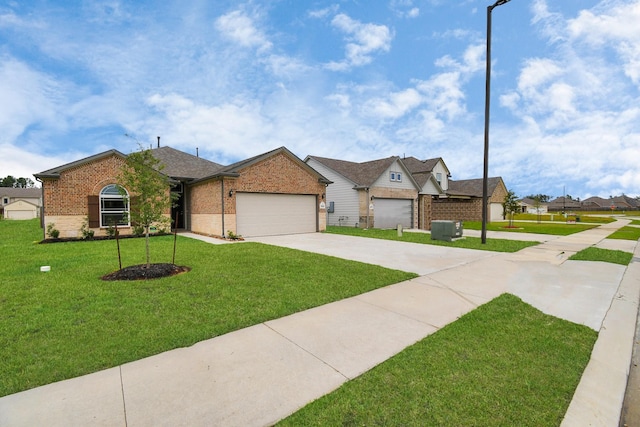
(553, 228)
(496, 245)
(503, 364)
(68, 322)
(605, 255)
(626, 233)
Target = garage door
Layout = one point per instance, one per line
(11, 214)
(261, 214)
(388, 213)
(496, 212)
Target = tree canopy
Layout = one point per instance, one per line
(11, 181)
(149, 191)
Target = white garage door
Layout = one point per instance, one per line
(388, 213)
(15, 214)
(496, 212)
(261, 214)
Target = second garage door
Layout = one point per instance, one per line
(388, 213)
(263, 214)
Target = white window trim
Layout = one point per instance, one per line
(112, 196)
(395, 176)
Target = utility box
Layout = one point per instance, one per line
(446, 230)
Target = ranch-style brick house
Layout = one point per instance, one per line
(272, 193)
(407, 191)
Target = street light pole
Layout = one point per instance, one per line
(487, 96)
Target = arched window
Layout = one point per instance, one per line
(114, 208)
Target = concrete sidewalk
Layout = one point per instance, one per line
(263, 373)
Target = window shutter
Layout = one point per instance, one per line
(94, 211)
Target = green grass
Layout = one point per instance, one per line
(584, 217)
(69, 322)
(626, 233)
(554, 228)
(635, 222)
(503, 364)
(605, 255)
(496, 245)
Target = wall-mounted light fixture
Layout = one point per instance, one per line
(322, 196)
(371, 198)
(231, 193)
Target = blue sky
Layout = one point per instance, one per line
(354, 80)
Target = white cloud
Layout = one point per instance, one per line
(240, 28)
(28, 98)
(617, 28)
(323, 13)
(396, 105)
(363, 41)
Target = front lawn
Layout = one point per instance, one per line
(503, 364)
(496, 245)
(68, 322)
(554, 228)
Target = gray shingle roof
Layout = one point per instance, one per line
(178, 164)
(55, 172)
(361, 174)
(472, 187)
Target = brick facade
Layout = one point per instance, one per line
(276, 174)
(65, 198)
(364, 200)
(457, 209)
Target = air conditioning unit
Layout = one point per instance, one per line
(446, 230)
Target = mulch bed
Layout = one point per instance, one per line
(142, 272)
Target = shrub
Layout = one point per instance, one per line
(52, 231)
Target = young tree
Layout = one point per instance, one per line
(149, 192)
(537, 205)
(510, 205)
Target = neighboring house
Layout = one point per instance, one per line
(562, 204)
(432, 177)
(273, 193)
(379, 193)
(530, 206)
(463, 200)
(386, 192)
(20, 203)
(595, 204)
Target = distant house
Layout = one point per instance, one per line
(595, 204)
(385, 192)
(379, 193)
(531, 206)
(20, 203)
(563, 204)
(272, 193)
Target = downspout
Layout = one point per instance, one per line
(44, 235)
(222, 200)
(368, 206)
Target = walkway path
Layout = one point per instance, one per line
(260, 374)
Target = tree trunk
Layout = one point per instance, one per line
(146, 243)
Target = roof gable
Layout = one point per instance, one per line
(55, 172)
(362, 174)
(235, 169)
